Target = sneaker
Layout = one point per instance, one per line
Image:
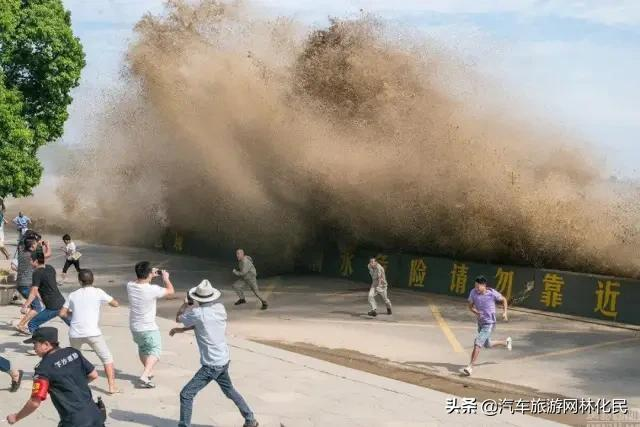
(467, 370)
(253, 423)
(264, 306)
(146, 383)
(240, 301)
(509, 343)
(389, 312)
(372, 313)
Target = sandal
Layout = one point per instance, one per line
(15, 385)
(23, 331)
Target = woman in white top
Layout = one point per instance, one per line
(72, 256)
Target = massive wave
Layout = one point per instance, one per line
(265, 134)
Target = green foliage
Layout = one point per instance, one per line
(40, 62)
(20, 170)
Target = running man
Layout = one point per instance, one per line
(246, 274)
(64, 374)
(378, 287)
(142, 316)
(209, 320)
(482, 303)
(83, 309)
(22, 223)
(44, 287)
(24, 280)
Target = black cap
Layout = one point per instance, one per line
(481, 279)
(44, 334)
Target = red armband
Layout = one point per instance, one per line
(40, 388)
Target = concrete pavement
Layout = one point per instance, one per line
(550, 356)
(283, 388)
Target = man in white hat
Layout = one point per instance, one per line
(209, 320)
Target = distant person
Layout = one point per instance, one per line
(142, 316)
(15, 374)
(246, 273)
(24, 281)
(482, 303)
(378, 287)
(22, 223)
(44, 287)
(83, 309)
(64, 374)
(3, 221)
(209, 320)
(72, 256)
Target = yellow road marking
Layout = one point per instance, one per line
(574, 349)
(446, 330)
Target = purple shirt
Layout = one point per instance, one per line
(485, 304)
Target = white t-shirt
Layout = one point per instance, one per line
(85, 311)
(70, 249)
(142, 306)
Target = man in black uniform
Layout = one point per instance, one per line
(64, 374)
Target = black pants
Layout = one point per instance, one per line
(68, 263)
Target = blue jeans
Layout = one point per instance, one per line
(5, 365)
(200, 380)
(36, 304)
(43, 317)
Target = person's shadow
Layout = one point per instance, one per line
(146, 419)
(18, 347)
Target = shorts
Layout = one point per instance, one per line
(483, 339)
(36, 304)
(1, 237)
(149, 343)
(97, 344)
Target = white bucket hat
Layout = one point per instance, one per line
(204, 292)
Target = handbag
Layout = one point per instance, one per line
(76, 256)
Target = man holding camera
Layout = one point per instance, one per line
(209, 320)
(142, 316)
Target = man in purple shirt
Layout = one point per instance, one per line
(482, 303)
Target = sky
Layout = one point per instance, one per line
(574, 63)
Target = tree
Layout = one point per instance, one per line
(40, 62)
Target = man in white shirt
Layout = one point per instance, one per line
(209, 320)
(83, 308)
(378, 287)
(142, 316)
